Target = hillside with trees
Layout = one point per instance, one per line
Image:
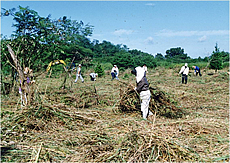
(39, 40)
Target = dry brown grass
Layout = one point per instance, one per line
(84, 124)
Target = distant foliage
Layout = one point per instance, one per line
(123, 59)
(177, 55)
(217, 59)
(39, 40)
(99, 70)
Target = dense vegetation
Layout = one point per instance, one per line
(39, 40)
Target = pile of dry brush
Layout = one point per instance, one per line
(160, 103)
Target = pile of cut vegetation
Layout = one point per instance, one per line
(134, 146)
(160, 103)
(59, 107)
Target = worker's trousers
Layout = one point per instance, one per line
(184, 78)
(80, 78)
(198, 72)
(145, 99)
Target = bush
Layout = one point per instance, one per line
(99, 70)
(225, 64)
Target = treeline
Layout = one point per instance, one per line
(39, 40)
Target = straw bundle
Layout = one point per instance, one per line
(160, 102)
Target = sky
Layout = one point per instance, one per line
(149, 26)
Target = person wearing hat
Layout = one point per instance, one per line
(115, 72)
(197, 70)
(143, 89)
(93, 76)
(184, 71)
(79, 74)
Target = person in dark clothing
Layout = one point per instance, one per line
(197, 70)
(143, 89)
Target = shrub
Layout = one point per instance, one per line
(99, 70)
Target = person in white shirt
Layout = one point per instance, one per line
(115, 72)
(184, 71)
(93, 76)
(145, 68)
(79, 74)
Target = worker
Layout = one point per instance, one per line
(93, 76)
(184, 71)
(197, 70)
(79, 74)
(143, 89)
(115, 72)
(145, 68)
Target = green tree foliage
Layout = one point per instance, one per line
(216, 59)
(159, 56)
(224, 56)
(176, 55)
(141, 58)
(38, 40)
(99, 70)
(174, 52)
(123, 59)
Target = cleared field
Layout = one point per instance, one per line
(85, 124)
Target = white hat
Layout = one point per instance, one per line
(79, 65)
(186, 64)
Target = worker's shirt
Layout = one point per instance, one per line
(93, 75)
(184, 70)
(115, 70)
(79, 70)
(142, 83)
(145, 68)
(197, 68)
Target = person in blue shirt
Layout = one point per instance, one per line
(197, 70)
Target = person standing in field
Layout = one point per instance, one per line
(79, 74)
(142, 88)
(115, 72)
(197, 70)
(184, 71)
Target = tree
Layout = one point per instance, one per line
(174, 52)
(159, 56)
(39, 40)
(176, 55)
(216, 59)
(99, 70)
(123, 59)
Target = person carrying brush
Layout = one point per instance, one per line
(143, 89)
